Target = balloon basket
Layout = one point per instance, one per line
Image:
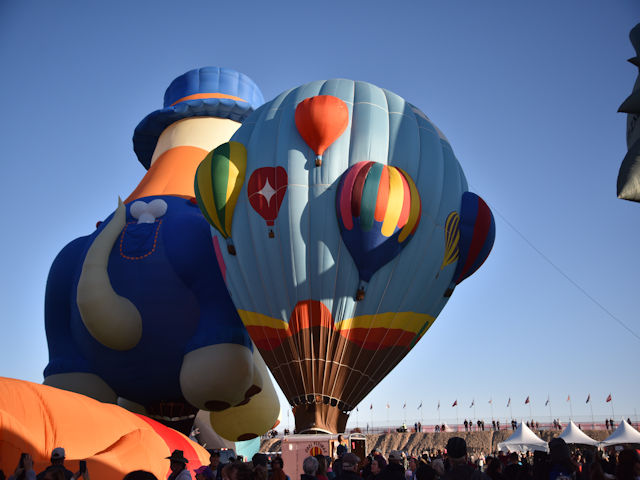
(318, 161)
(231, 247)
(360, 295)
(271, 234)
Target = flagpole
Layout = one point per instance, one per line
(593, 421)
(491, 403)
(510, 409)
(530, 412)
(439, 419)
(474, 409)
(570, 408)
(357, 417)
(550, 414)
(612, 414)
(371, 412)
(458, 416)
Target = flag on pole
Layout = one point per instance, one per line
(438, 404)
(608, 398)
(420, 406)
(588, 398)
(473, 402)
(490, 400)
(405, 405)
(509, 402)
(547, 402)
(388, 406)
(371, 407)
(568, 398)
(455, 403)
(357, 409)
(527, 400)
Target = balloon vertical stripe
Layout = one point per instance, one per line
(396, 200)
(358, 187)
(204, 194)
(452, 237)
(415, 209)
(220, 176)
(369, 196)
(383, 196)
(344, 194)
(236, 173)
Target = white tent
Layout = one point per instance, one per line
(625, 433)
(572, 434)
(523, 440)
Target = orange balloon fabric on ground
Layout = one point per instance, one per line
(36, 419)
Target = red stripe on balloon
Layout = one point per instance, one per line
(480, 232)
(345, 194)
(267, 338)
(174, 441)
(308, 314)
(383, 195)
(358, 187)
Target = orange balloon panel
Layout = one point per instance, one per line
(36, 419)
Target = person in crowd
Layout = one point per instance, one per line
(466, 425)
(365, 472)
(214, 469)
(178, 466)
(330, 474)
(277, 470)
(494, 469)
(395, 468)
(203, 473)
(310, 468)
(57, 463)
(410, 473)
(140, 475)
(321, 474)
(350, 463)
(497, 424)
(459, 466)
(337, 463)
(561, 466)
(24, 470)
(425, 470)
(513, 467)
(628, 467)
(378, 463)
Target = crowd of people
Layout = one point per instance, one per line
(453, 463)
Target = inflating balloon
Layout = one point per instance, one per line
(138, 309)
(113, 441)
(389, 176)
(321, 120)
(378, 208)
(218, 182)
(477, 231)
(266, 189)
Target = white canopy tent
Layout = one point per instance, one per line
(523, 440)
(573, 434)
(625, 433)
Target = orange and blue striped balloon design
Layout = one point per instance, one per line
(378, 209)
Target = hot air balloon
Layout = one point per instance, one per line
(320, 120)
(295, 294)
(476, 229)
(266, 189)
(378, 208)
(218, 182)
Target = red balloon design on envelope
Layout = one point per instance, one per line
(266, 190)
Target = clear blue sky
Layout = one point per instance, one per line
(526, 92)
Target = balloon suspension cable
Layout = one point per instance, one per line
(230, 246)
(362, 289)
(319, 161)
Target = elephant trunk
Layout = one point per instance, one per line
(110, 318)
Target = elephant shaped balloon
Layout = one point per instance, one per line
(139, 309)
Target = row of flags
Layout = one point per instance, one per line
(526, 401)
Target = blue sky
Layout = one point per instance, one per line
(526, 92)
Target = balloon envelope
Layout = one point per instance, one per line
(295, 293)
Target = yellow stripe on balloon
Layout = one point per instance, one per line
(254, 319)
(394, 205)
(205, 188)
(414, 212)
(407, 321)
(237, 170)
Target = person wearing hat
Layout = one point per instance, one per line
(395, 468)
(337, 463)
(57, 463)
(178, 466)
(459, 467)
(350, 462)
